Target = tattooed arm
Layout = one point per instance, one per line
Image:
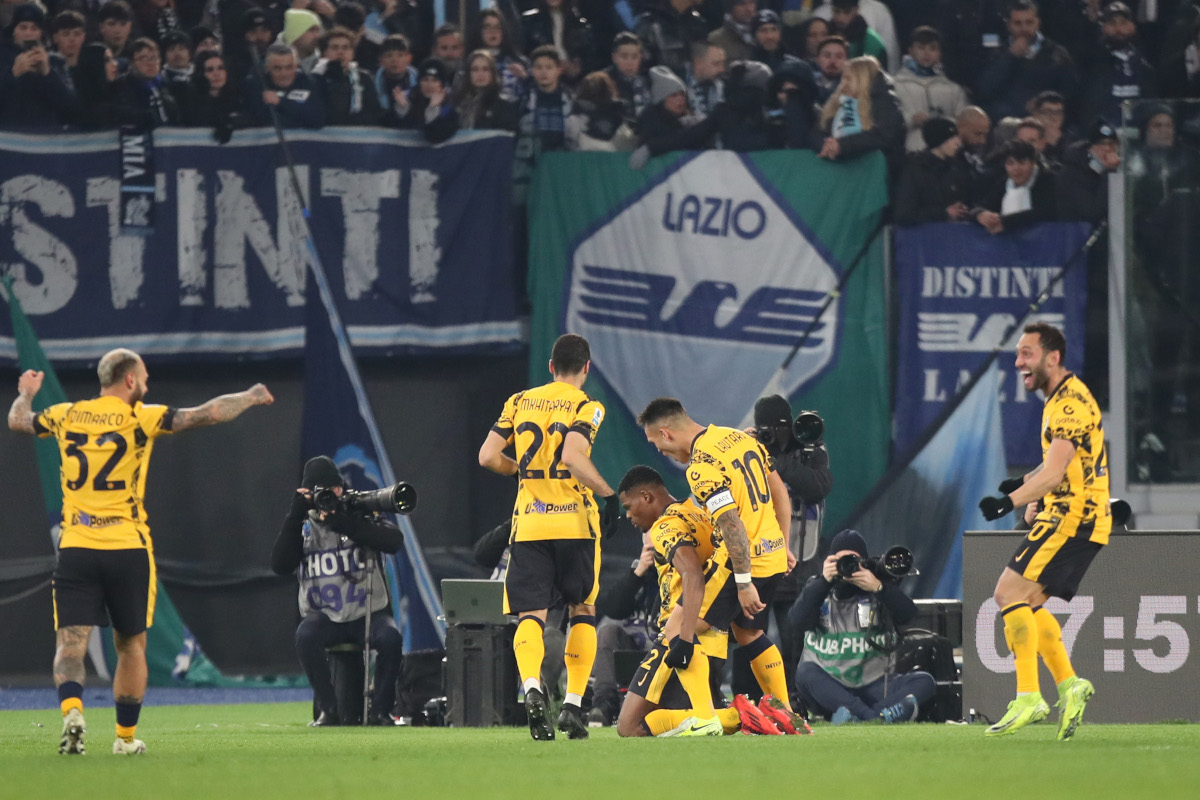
(737, 542)
(21, 414)
(221, 409)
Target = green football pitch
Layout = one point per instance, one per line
(265, 751)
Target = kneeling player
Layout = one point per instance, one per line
(670, 693)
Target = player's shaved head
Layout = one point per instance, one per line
(115, 365)
(570, 355)
(640, 476)
(662, 411)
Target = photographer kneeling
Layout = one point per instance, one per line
(330, 552)
(847, 622)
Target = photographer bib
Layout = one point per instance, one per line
(333, 575)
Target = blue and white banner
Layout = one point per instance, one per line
(415, 239)
(960, 289)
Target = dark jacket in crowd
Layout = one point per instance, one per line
(1082, 186)
(1043, 199)
(1114, 75)
(887, 131)
(634, 94)
(661, 131)
(928, 186)
(668, 35)
(794, 122)
(33, 101)
(1008, 82)
(488, 111)
(150, 101)
(301, 105)
(436, 130)
(350, 96)
(537, 26)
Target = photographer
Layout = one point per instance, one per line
(333, 555)
(847, 615)
(798, 449)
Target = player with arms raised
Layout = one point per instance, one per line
(556, 525)
(1067, 533)
(105, 570)
(734, 477)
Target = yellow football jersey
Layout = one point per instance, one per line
(104, 445)
(683, 525)
(551, 504)
(728, 472)
(1079, 503)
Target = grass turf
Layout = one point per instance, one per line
(266, 751)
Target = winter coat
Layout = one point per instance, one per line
(935, 95)
(1008, 82)
(928, 186)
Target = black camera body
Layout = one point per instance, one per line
(893, 565)
(400, 498)
(807, 430)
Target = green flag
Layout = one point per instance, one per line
(173, 656)
(695, 277)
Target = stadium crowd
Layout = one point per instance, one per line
(997, 112)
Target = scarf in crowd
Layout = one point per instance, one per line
(912, 66)
(1018, 198)
(847, 120)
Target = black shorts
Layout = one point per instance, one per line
(542, 571)
(1054, 561)
(99, 587)
(766, 593)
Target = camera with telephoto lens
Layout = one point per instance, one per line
(893, 565)
(807, 428)
(400, 498)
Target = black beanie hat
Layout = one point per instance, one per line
(321, 471)
(849, 539)
(772, 410)
(937, 131)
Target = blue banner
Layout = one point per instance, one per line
(415, 240)
(960, 289)
(338, 422)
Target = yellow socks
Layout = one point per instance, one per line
(1050, 645)
(1021, 633)
(580, 654)
(662, 720)
(766, 663)
(529, 649)
(695, 683)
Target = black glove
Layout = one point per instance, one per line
(1011, 485)
(994, 508)
(680, 654)
(610, 515)
(223, 132)
(300, 506)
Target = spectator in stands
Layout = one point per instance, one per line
(449, 47)
(744, 124)
(479, 101)
(1026, 197)
(1160, 164)
(395, 72)
(302, 31)
(143, 91)
(626, 73)
(558, 23)
(668, 29)
(1049, 109)
(32, 95)
(156, 18)
(808, 37)
(350, 97)
(68, 30)
(491, 33)
(1179, 74)
(768, 41)
(1031, 63)
(597, 121)
(204, 39)
(177, 61)
(115, 20)
(245, 43)
(1118, 71)
(666, 125)
(543, 115)
(792, 107)
(705, 78)
(863, 115)
(295, 98)
(325, 10)
(850, 25)
(1003, 132)
(736, 35)
(974, 127)
(95, 85)
(934, 185)
(878, 18)
(413, 19)
(428, 108)
(212, 101)
(353, 17)
(1083, 180)
(831, 60)
(923, 88)
(1034, 132)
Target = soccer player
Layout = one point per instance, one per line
(105, 571)
(1072, 483)
(693, 576)
(734, 477)
(556, 525)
